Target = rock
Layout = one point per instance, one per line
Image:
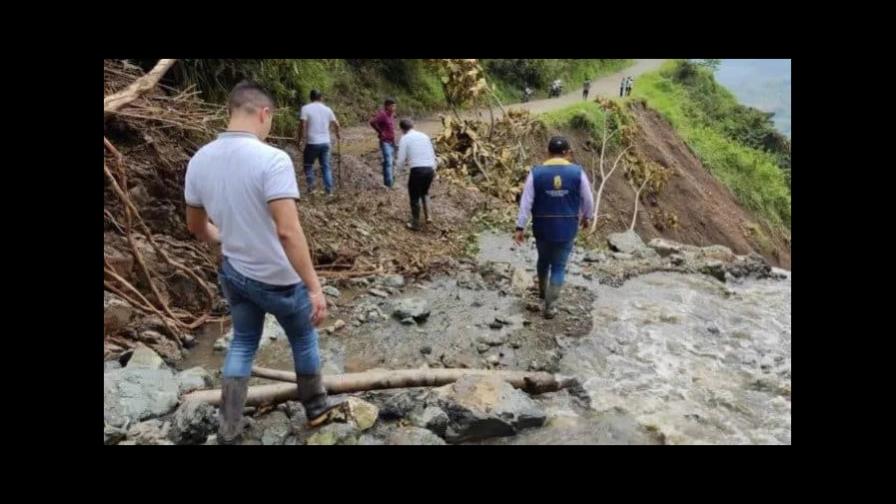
(132, 394)
(714, 268)
(621, 256)
(495, 325)
(479, 407)
(393, 281)
(493, 359)
(221, 344)
(361, 413)
(273, 427)
(413, 436)
(331, 291)
(665, 248)
(426, 350)
(492, 338)
(368, 440)
(335, 434)
(110, 365)
(414, 308)
(193, 422)
(594, 257)
(718, 253)
(408, 321)
(432, 418)
(378, 293)
(482, 348)
(520, 281)
(189, 341)
(402, 404)
(339, 324)
(628, 242)
(195, 378)
(151, 432)
(113, 435)
(532, 306)
(117, 313)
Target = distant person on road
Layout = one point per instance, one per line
(415, 149)
(314, 132)
(586, 88)
(384, 125)
(628, 85)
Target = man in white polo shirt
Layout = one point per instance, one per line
(415, 149)
(241, 192)
(314, 131)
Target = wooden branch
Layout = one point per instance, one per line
(114, 102)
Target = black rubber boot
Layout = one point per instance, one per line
(550, 299)
(426, 210)
(542, 284)
(314, 398)
(415, 217)
(230, 418)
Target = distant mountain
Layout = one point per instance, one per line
(761, 83)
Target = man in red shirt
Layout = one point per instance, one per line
(384, 124)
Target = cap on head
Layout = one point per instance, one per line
(558, 145)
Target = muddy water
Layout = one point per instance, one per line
(680, 359)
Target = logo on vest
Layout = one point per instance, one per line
(558, 182)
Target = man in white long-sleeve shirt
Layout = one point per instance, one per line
(558, 194)
(415, 149)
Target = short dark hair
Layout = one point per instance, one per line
(315, 95)
(389, 101)
(250, 97)
(405, 124)
(558, 145)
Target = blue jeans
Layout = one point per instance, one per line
(552, 257)
(320, 153)
(388, 151)
(249, 301)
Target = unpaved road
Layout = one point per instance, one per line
(361, 139)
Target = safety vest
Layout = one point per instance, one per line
(555, 209)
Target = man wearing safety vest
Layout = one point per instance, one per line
(558, 195)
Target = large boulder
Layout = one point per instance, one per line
(139, 391)
(521, 280)
(665, 247)
(480, 407)
(195, 378)
(432, 418)
(193, 422)
(413, 436)
(628, 242)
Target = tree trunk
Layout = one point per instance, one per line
(637, 198)
(531, 382)
(114, 102)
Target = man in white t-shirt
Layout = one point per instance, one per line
(415, 149)
(314, 132)
(248, 189)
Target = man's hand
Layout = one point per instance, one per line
(585, 223)
(318, 307)
(518, 237)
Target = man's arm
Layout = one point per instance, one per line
(334, 124)
(292, 238)
(374, 123)
(587, 198)
(402, 153)
(525, 208)
(300, 133)
(200, 226)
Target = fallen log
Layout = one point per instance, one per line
(531, 382)
(114, 102)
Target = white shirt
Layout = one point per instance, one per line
(233, 178)
(415, 148)
(318, 118)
